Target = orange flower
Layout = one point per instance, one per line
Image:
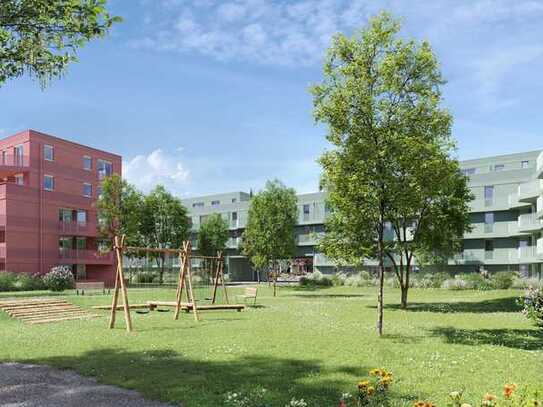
(423, 404)
(508, 390)
(371, 391)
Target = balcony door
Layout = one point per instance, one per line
(18, 153)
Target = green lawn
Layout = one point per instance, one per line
(310, 344)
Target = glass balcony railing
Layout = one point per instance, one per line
(539, 166)
(529, 222)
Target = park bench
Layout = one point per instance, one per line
(250, 293)
(82, 286)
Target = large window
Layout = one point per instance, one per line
(48, 182)
(65, 215)
(499, 167)
(18, 153)
(81, 243)
(87, 190)
(215, 203)
(105, 168)
(468, 171)
(198, 205)
(305, 210)
(489, 249)
(489, 195)
(81, 216)
(87, 163)
(19, 179)
(489, 222)
(48, 152)
(524, 164)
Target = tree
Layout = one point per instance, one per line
(41, 37)
(269, 235)
(119, 210)
(380, 99)
(165, 223)
(212, 235)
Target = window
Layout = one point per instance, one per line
(4, 158)
(99, 191)
(234, 216)
(524, 164)
(234, 200)
(87, 190)
(81, 216)
(105, 168)
(215, 203)
(48, 183)
(489, 195)
(80, 272)
(65, 244)
(81, 243)
(305, 210)
(198, 205)
(65, 215)
(87, 163)
(19, 179)
(48, 152)
(499, 167)
(18, 154)
(489, 249)
(468, 171)
(489, 222)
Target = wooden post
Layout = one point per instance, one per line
(119, 283)
(189, 275)
(221, 262)
(216, 277)
(181, 281)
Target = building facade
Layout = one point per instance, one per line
(48, 191)
(506, 216)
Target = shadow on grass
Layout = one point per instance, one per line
(327, 295)
(169, 376)
(526, 339)
(507, 304)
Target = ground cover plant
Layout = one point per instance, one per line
(309, 343)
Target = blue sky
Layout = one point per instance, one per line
(209, 96)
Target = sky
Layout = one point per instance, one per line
(211, 96)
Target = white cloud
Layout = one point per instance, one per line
(158, 167)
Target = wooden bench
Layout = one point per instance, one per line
(89, 285)
(204, 307)
(250, 293)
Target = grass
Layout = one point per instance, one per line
(314, 344)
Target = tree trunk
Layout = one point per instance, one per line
(275, 280)
(380, 295)
(405, 285)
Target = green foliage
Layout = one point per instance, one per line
(120, 210)
(316, 279)
(532, 305)
(212, 235)
(273, 214)
(143, 278)
(476, 281)
(41, 37)
(502, 280)
(391, 158)
(59, 279)
(20, 282)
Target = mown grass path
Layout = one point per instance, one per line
(310, 344)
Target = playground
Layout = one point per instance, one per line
(312, 344)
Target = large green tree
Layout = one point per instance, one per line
(269, 235)
(390, 136)
(164, 224)
(41, 37)
(119, 210)
(212, 235)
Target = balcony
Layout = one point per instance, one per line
(13, 164)
(515, 203)
(530, 191)
(529, 222)
(539, 248)
(539, 167)
(527, 254)
(77, 228)
(85, 256)
(233, 242)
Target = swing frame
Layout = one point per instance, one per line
(184, 283)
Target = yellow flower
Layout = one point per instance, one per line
(377, 372)
(363, 384)
(371, 391)
(455, 395)
(489, 397)
(419, 404)
(465, 405)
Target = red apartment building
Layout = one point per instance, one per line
(48, 191)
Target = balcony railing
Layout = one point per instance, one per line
(11, 160)
(529, 191)
(540, 165)
(76, 227)
(529, 222)
(85, 255)
(539, 249)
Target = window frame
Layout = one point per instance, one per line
(52, 149)
(52, 178)
(85, 157)
(85, 184)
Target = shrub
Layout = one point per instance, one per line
(524, 283)
(361, 279)
(7, 281)
(59, 279)
(28, 282)
(316, 279)
(532, 305)
(502, 280)
(143, 277)
(338, 279)
(457, 284)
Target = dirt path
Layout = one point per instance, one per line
(43, 386)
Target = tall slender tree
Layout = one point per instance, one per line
(165, 223)
(212, 235)
(41, 37)
(381, 101)
(269, 235)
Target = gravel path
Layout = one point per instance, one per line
(43, 386)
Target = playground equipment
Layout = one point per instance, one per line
(213, 273)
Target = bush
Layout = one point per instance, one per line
(457, 284)
(29, 282)
(532, 305)
(7, 281)
(143, 277)
(315, 279)
(338, 279)
(502, 280)
(361, 279)
(524, 283)
(59, 279)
